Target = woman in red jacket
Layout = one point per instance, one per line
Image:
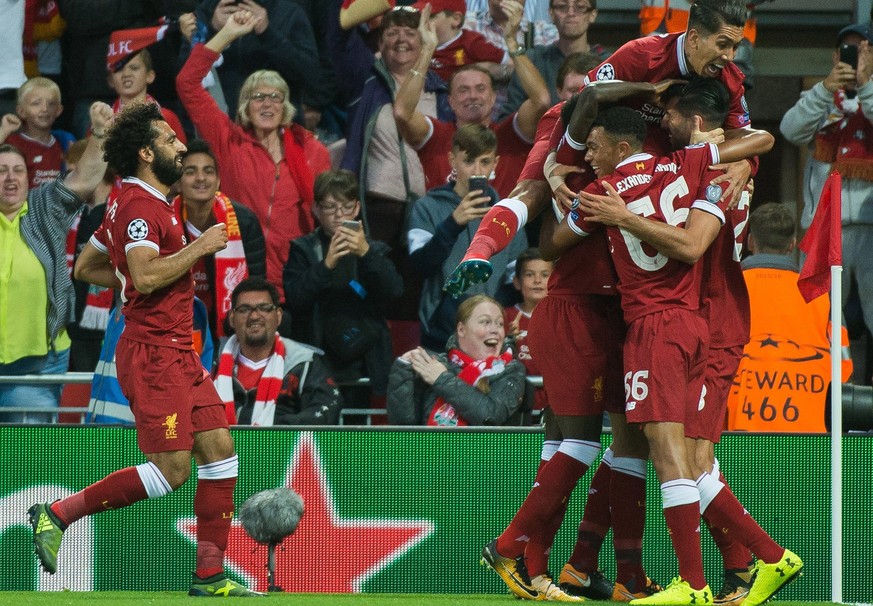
(267, 163)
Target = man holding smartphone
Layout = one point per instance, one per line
(833, 118)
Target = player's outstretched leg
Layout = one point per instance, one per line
(466, 274)
(219, 586)
(770, 578)
(47, 534)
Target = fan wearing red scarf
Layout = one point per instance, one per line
(269, 164)
(476, 383)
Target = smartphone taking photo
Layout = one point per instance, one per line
(849, 55)
(353, 225)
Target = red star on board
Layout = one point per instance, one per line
(327, 553)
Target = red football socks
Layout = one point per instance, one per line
(498, 228)
(119, 489)
(213, 507)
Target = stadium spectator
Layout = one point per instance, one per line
(833, 119)
(93, 303)
(477, 382)
(471, 96)
(531, 281)
(375, 151)
(268, 163)
(571, 74)
(89, 25)
(281, 40)
(338, 286)
(130, 74)
(441, 225)
(199, 206)
(179, 414)
(266, 379)
(457, 47)
(493, 19)
(36, 294)
(790, 338)
(12, 68)
(39, 105)
(572, 18)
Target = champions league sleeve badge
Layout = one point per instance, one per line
(137, 229)
(606, 72)
(713, 193)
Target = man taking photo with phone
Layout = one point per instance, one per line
(338, 284)
(833, 118)
(442, 224)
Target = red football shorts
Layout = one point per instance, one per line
(577, 342)
(708, 420)
(170, 395)
(664, 362)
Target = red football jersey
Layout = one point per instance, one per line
(468, 47)
(142, 216)
(726, 298)
(44, 162)
(661, 189)
(656, 58)
(522, 350)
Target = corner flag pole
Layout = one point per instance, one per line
(836, 436)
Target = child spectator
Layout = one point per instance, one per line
(131, 70)
(457, 47)
(531, 280)
(39, 105)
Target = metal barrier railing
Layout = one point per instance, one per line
(369, 414)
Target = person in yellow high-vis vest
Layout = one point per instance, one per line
(782, 380)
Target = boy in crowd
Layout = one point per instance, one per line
(531, 280)
(457, 47)
(130, 77)
(39, 105)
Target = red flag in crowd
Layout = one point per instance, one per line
(126, 42)
(823, 242)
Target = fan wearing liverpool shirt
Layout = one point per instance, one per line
(707, 48)
(665, 349)
(178, 412)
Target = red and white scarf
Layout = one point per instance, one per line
(846, 140)
(230, 263)
(268, 387)
(473, 372)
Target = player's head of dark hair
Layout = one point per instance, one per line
(474, 140)
(622, 124)
(471, 67)
(338, 183)
(576, 63)
(254, 285)
(134, 129)
(772, 229)
(710, 15)
(404, 16)
(199, 146)
(8, 148)
(531, 254)
(704, 97)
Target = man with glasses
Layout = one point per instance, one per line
(572, 18)
(338, 285)
(265, 379)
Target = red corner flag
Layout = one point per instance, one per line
(823, 242)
